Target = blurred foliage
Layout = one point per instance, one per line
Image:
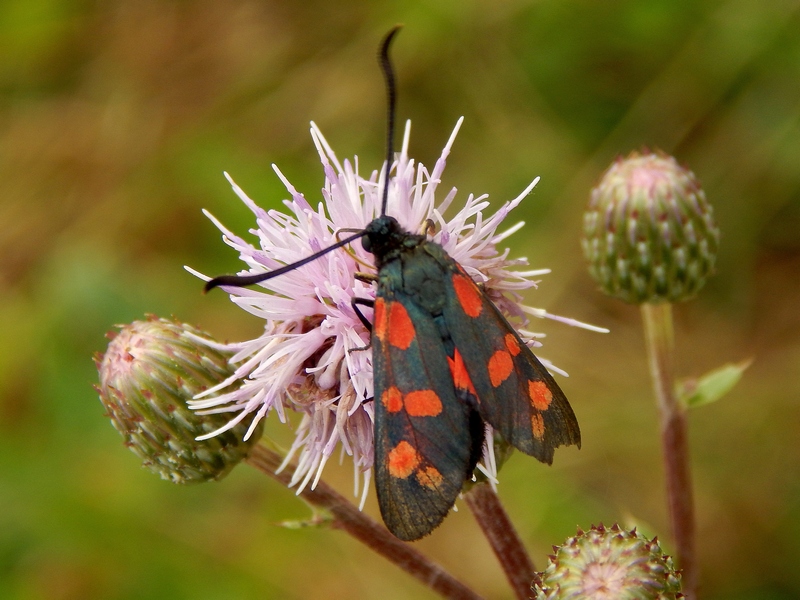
(116, 121)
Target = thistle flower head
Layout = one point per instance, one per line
(649, 233)
(148, 373)
(608, 564)
(311, 357)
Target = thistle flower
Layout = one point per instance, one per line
(311, 357)
(148, 373)
(608, 564)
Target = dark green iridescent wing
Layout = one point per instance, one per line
(423, 433)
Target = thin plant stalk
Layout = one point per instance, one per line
(674, 439)
(485, 505)
(348, 517)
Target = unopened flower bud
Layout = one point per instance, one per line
(148, 373)
(649, 233)
(608, 564)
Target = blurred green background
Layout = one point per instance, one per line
(116, 122)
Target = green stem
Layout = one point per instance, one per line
(346, 516)
(503, 538)
(674, 440)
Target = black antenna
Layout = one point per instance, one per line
(391, 101)
(391, 93)
(245, 280)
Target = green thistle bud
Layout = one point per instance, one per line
(608, 564)
(149, 371)
(649, 233)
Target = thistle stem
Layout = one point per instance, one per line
(674, 439)
(503, 538)
(348, 517)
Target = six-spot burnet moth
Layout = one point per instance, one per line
(445, 361)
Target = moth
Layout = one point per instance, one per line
(445, 362)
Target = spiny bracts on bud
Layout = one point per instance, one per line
(649, 232)
(149, 371)
(608, 563)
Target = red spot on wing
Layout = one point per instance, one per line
(423, 403)
(512, 344)
(540, 395)
(500, 367)
(401, 329)
(392, 399)
(461, 379)
(537, 426)
(402, 460)
(469, 297)
(379, 319)
(430, 477)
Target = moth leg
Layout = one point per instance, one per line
(428, 228)
(355, 302)
(366, 277)
(339, 232)
(348, 249)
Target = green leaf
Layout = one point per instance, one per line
(712, 386)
